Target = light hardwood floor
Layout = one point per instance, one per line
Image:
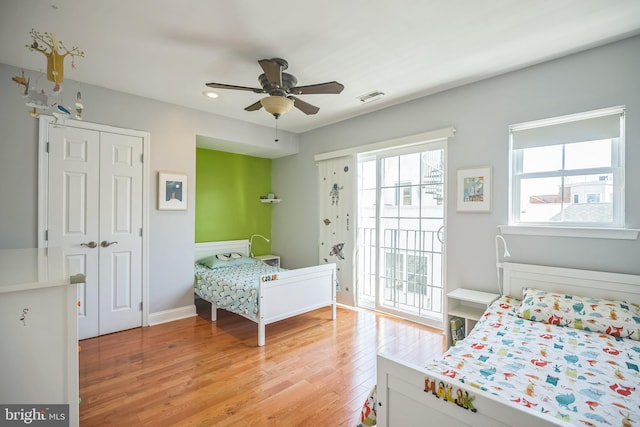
(312, 371)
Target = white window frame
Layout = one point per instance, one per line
(563, 228)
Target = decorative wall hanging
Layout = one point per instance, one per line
(337, 192)
(41, 98)
(474, 190)
(172, 191)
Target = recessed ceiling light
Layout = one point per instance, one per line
(210, 94)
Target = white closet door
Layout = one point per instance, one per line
(120, 239)
(73, 212)
(95, 215)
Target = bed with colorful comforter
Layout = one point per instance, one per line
(231, 284)
(574, 359)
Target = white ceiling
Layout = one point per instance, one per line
(168, 49)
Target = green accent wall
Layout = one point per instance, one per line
(228, 190)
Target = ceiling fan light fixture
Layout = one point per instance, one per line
(282, 89)
(276, 105)
(210, 93)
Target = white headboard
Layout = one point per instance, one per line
(206, 249)
(596, 284)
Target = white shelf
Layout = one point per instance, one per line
(272, 260)
(466, 311)
(270, 200)
(469, 305)
(462, 294)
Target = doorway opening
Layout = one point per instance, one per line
(401, 228)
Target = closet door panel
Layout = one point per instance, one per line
(120, 232)
(73, 212)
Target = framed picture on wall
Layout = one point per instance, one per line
(172, 191)
(474, 190)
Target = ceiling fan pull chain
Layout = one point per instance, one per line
(276, 140)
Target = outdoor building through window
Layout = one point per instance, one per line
(569, 170)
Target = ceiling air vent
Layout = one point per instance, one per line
(370, 97)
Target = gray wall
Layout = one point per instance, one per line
(481, 112)
(173, 132)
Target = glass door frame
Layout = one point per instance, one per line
(379, 285)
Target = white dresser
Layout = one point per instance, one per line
(38, 329)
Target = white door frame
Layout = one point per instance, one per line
(43, 190)
(439, 144)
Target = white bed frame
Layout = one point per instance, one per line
(402, 400)
(284, 295)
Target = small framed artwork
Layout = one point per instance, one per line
(172, 191)
(474, 190)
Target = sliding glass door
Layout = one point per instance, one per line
(401, 232)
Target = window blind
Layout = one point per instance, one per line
(602, 124)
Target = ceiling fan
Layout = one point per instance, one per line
(281, 88)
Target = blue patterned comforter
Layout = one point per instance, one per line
(234, 287)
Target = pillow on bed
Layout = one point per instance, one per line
(616, 318)
(225, 260)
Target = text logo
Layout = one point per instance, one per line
(34, 415)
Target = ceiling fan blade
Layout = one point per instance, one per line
(254, 107)
(273, 71)
(305, 107)
(329, 87)
(224, 86)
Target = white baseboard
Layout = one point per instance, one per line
(171, 315)
(348, 307)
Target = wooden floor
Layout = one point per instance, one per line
(312, 371)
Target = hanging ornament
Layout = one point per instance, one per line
(22, 81)
(38, 99)
(54, 51)
(79, 106)
(61, 113)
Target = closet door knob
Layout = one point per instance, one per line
(106, 244)
(90, 245)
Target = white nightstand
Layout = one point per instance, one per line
(468, 305)
(272, 260)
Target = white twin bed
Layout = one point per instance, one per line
(553, 358)
(257, 291)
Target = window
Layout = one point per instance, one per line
(406, 196)
(403, 194)
(593, 198)
(407, 273)
(569, 171)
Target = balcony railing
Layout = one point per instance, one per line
(410, 271)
